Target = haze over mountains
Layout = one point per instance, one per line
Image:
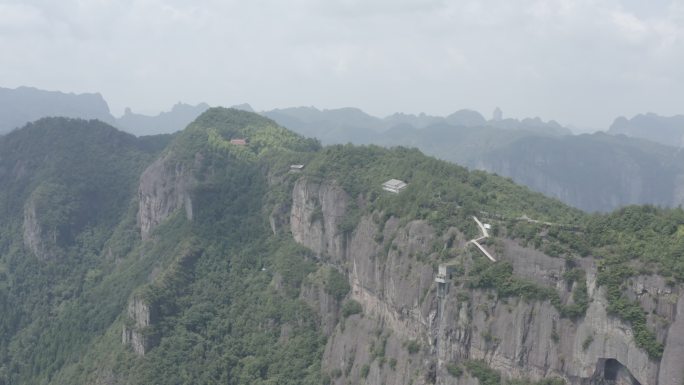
(594, 172)
(26, 104)
(665, 130)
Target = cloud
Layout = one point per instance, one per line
(578, 61)
(20, 18)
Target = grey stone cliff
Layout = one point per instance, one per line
(33, 232)
(165, 186)
(136, 331)
(391, 273)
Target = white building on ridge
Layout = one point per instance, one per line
(394, 186)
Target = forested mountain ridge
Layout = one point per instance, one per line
(65, 188)
(221, 264)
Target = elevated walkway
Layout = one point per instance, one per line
(485, 235)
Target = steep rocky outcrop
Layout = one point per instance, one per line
(49, 220)
(33, 232)
(326, 305)
(391, 273)
(315, 208)
(165, 186)
(136, 331)
(671, 370)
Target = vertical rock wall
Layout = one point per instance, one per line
(391, 274)
(165, 186)
(136, 332)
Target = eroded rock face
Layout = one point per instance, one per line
(47, 221)
(672, 364)
(279, 219)
(136, 332)
(317, 211)
(325, 304)
(165, 186)
(611, 371)
(33, 232)
(391, 275)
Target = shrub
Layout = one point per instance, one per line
(454, 369)
(364, 370)
(413, 347)
(336, 284)
(351, 307)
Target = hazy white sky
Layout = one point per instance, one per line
(581, 62)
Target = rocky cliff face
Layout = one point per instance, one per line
(165, 186)
(136, 331)
(325, 304)
(33, 232)
(408, 334)
(48, 220)
(308, 224)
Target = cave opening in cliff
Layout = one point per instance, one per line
(613, 372)
(611, 368)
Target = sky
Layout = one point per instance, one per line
(580, 62)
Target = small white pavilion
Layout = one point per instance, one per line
(394, 186)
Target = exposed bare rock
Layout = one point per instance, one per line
(136, 332)
(672, 364)
(391, 273)
(352, 346)
(325, 304)
(33, 232)
(317, 211)
(47, 220)
(165, 186)
(533, 264)
(279, 219)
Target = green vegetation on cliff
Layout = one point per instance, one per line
(440, 192)
(66, 190)
(630, 242)
(488, 376)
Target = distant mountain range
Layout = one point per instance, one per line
(665, 130)
(594, 172)
(598, 172)
(166, 122)
(351, 125)
(26, 104)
